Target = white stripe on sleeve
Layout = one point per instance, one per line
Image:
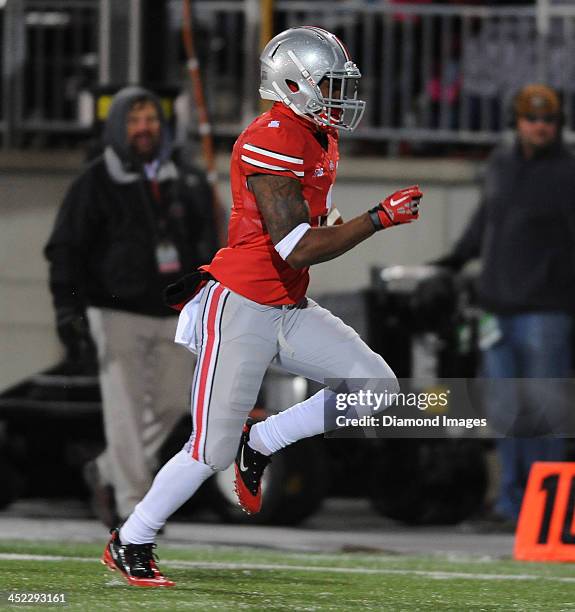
(260, 164)
(273, 154)
(289, 242)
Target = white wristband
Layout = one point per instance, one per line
(288, 243)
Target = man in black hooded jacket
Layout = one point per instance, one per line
(524, 233)
(130, 224)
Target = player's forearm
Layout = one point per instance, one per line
(324, 243)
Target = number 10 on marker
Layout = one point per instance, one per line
(546, 529)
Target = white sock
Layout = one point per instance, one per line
(300, 421)
(173, 485)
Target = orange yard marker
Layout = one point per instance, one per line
(546, 529)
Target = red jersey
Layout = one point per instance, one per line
(282, 143)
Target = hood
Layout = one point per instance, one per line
(115, 129)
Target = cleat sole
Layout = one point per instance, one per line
(246, 506)
(108, 561)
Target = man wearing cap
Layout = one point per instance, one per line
(132, 222)
(524, 233)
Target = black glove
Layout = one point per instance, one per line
(74, 333)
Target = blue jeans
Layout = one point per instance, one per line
(533, 345)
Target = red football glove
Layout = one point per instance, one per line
(400, 207)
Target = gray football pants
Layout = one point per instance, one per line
(239, 338)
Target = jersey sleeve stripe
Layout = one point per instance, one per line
(261, 164)
(273, 154)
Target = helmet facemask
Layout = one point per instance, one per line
(338, 97)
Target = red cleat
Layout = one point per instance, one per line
(135, 562)
(249, 468)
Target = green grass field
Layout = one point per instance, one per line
(252, 579)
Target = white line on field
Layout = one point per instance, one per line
(215, 565)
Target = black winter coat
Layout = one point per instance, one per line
(524, 232)
(102, 250)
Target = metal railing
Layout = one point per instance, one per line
(432, 73)
(49, 60)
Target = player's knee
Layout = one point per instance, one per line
(220, 455)
(373, 366)
(391, 383)
(219, 465)
(184, 459)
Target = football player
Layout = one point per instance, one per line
(251, 307)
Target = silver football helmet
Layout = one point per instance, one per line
(298, 63)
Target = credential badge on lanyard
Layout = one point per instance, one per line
(167, 257)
